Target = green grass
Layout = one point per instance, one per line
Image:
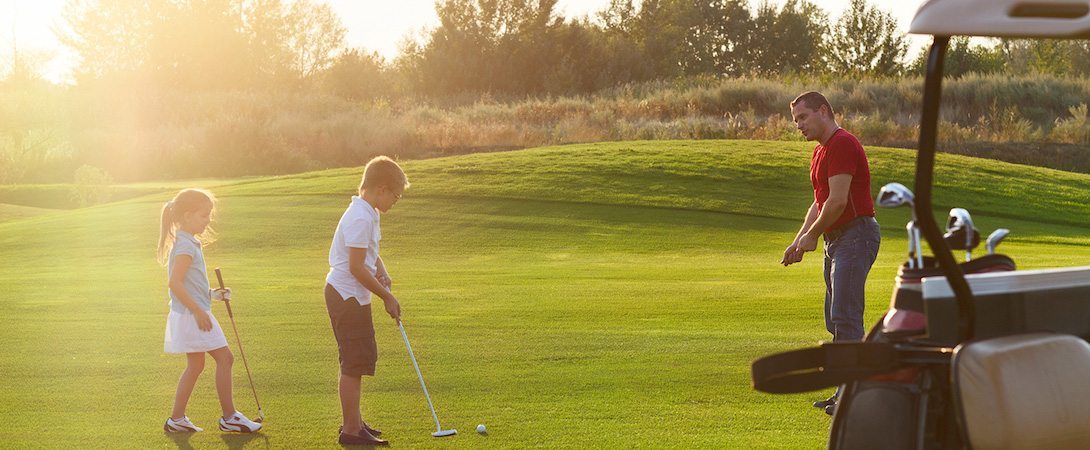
(605, 295)
(15, 212)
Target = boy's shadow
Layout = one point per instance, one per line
(236, 441)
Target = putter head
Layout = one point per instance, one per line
(893, 195)
(445, 433)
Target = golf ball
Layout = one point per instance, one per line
(480, 428)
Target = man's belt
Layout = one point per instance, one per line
(838, 232)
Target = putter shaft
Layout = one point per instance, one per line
(438, 428)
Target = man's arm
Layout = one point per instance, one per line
(792, 254)
(839, 185)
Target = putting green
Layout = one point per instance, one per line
(600, 295)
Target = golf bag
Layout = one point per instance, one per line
(895, 387)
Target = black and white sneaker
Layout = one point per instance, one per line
(182, 425)
(239, 423)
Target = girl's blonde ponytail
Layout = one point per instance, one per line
(166, 232)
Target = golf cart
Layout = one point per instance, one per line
(972, 354)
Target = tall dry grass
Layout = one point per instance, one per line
(140, 135)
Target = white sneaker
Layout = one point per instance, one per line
(182, 425)
(239, 423)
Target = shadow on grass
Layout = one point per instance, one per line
(181, 440)
(238, 441)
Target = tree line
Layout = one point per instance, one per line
(509, 47)
(268, 87)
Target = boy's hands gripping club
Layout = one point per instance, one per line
(393, 307)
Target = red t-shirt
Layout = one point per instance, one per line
(843, 154)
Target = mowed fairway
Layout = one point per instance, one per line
(603, 295)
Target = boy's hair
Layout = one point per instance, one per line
(383, 171)
(813, 100)
(187, 200)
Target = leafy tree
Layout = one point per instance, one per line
(201, 44)
(357, 75)
(488, 46)
(110, 36)
(315, 35)
(867, 41)
(791, 39)
(963, 58)
(719, 36)
(91, 186)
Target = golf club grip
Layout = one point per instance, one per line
(219, 277)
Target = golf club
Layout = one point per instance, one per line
(893, 195)
(915, 249)
(439, 431)
(995, 238)
(227, 301)
(959, 218)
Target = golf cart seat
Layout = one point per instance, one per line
(1026, 391)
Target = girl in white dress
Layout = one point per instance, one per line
(191, 327)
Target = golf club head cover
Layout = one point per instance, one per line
(955, 238)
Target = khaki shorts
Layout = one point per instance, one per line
(355, 333)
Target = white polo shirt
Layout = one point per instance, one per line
(358, 228)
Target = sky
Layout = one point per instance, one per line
(376, 25)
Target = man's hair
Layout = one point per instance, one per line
(383, 171)
(813, 100)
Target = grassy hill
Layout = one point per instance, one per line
(608, 295)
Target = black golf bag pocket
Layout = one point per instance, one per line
(878, 414)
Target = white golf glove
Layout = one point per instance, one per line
(221, 294)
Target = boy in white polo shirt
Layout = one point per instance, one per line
(356, 271)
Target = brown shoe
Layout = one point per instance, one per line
(374, 432)
(364, 438)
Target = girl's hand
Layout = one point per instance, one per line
(204, 323)
(221, 294)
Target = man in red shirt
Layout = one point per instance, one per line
(842, 212)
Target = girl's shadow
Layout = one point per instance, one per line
(236, 441)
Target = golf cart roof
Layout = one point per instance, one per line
(1004, 18)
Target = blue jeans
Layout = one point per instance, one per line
(848, 260)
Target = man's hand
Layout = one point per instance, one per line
(221, 294)
(794, 253)
(806, 244)
(393, 308)
(791, 255)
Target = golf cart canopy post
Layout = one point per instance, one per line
(985, 18)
